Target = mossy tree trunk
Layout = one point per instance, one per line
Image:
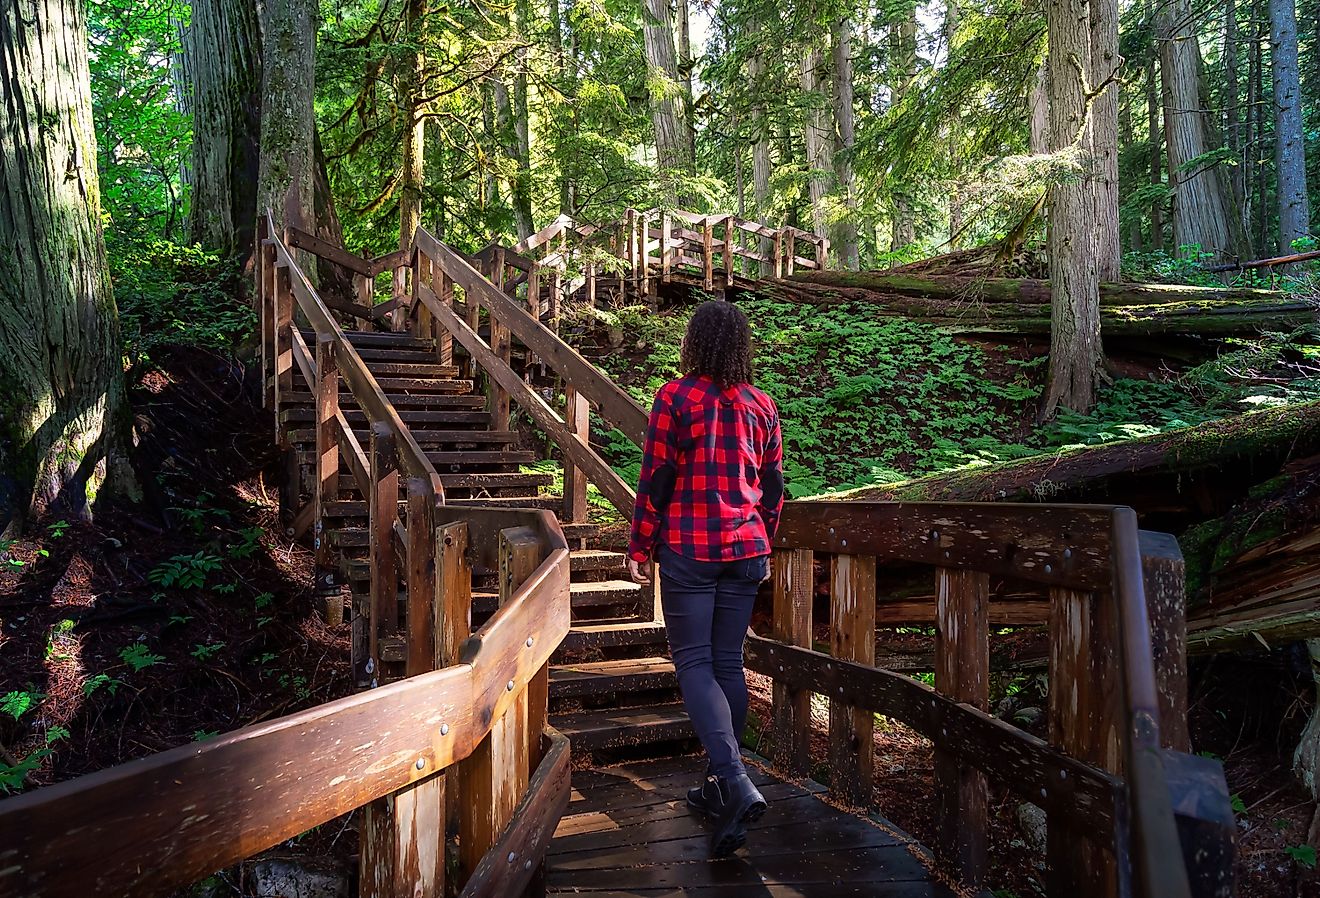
(222, 64)
(63, 409)
(288, 125)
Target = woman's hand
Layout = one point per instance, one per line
(639, 571)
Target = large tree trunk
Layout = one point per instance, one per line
(760, 155)
(685, 67)
(903, 52)
(667, 110)
(1289, 148)
(414, 125)
(1039, 111)
(951, 17)
(222, 65)
(1202, 207)
(288, 125)
(1232, 111)
(1155, 153)
(846, 123)
(1075, 351)
(1104, 135)
(819, 138)
(62, 405)
(1125, 133)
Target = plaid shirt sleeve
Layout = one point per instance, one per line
(772, 481)
(659, 452)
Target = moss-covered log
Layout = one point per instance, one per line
(1022, 305)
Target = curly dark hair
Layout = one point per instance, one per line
(718, 344)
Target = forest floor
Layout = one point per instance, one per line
(169, 621)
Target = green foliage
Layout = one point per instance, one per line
(170, 294)
(139, 657)
(206, 652)
(101, 681)
(185, 571)
(1303, 855)
(19, 702)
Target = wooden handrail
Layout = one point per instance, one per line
(1090, 559)
(612, 401)
(149, 826)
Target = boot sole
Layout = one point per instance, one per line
(737, 837)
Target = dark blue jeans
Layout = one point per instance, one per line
(707, 606)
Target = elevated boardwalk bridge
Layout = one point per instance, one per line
(502, 656)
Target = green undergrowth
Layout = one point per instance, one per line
(866, 400)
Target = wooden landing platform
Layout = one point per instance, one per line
(628, 832)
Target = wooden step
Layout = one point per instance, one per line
(580, 531)
(617, 727)
(613, 635)
(426, 370)
(416, 419)
(377, 339)
(424, 385)
(479, 457)
(350, 538)
(608, 677)
(371, 354)
(595, 593)
(425, 438)
(593, 560)
(549, 503)
(478, 480)
(400, 401)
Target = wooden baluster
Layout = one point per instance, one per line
(728, 250)
(666, 262)
(794, 589)
(473, 321)
(1083, 692)
(534, 291)
(452, 608)
(556, 287)
(326, 480)
(499, 403)
(444, 341)
(495, 776)
(421, 315)
(383, 511)
(1164, 575)
(283, 345)
(852, 638)
(644, 262)
(779, 253)
(822, 252)
(630, 246)
(962, 672)
(575, 482)
(403, 835)
(790, 260)
(708, 254)
(264, 290)
(366, 291)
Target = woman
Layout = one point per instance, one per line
(707, 506)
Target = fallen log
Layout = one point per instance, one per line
(1022, 305)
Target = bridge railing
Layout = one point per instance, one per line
(1105, 782)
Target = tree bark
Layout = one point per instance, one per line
(414, 124)
(288, 124)
(221, 56)
(685, 66)
(1202, 208)
(1232, 110)
(1104, 73)
(818, 137)
(846, 123)
(668, 114)
(1289, 148)
(1075, 350)
(1039, 111)
(63, 412)
(760, 155)
(951, 17)
(1125, 133)
(903, 50)
(1156, 151)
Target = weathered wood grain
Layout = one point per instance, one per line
(793, 581)
(852, 638)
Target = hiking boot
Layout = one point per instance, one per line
(742, 804)
(707, 797)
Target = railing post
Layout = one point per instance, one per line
(283, 343)
(779, 254)
(1164, 575)
(794, 590)
(534, 290)
(265, 275)
(1083, 716)
(495, 776)
(383, 511)
(729, 251)
(790, 253)
(444, 291)
(452, 606)
(708, 254)
(643, 267)
(822, 252)
(666, 263)
(575, 482)
(962, 673)
(498, 398)
(852, 638)
(326, 479)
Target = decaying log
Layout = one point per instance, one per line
(1022, 305)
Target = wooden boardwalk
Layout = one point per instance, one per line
(628, 832)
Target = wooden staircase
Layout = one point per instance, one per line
(612, 684)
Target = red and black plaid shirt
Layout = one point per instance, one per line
(712, 483)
